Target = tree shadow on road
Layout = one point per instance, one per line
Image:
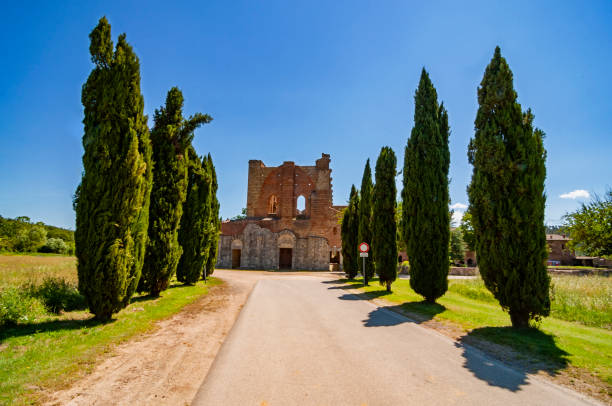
(360, 296)
(526, 351)
(410, 312)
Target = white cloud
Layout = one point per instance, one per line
(576, 194)
(457, 217)
(459, 206)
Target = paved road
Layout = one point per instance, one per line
(303, 340)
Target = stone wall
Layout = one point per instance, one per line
(260, 249)
(311, 233)
(287, 183)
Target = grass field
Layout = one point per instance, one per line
(16, 270)
(577, 334)
(52, 350)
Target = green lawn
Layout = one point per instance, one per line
(53, 351)
(562, 339)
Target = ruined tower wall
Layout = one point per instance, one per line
(315, 230)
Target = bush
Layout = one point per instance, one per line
(16, 305)
(30, 239)
(58, 295)
(55, 245)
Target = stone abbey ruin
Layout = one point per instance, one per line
(291, 221)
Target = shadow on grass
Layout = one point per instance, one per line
(145, 298)
(20, 330)
(413, 312)
(528, 350)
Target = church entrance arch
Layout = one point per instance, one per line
(236, 253)
(286, 242)
(285, 258)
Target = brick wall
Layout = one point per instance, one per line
(316, 228)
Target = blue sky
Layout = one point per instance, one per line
(286, 81)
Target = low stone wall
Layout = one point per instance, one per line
(454, 270)
(580, 272)
(463, 271)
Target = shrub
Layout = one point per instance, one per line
(16, 305)
(57, 295)
(30, 239)
(55, 245)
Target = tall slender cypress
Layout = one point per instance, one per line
(196, 227)
(507, 198)
(349, 230)
(112, 201)
(171, 136)
(425, 194)
(384, 228)
(365, 218)
(215, 220)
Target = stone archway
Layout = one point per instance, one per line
(236, 253)
(286, 246)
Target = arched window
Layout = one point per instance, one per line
(301, 204)
(273, 205)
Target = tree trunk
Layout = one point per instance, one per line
(519, 319)
(389, 286)
(103, 317)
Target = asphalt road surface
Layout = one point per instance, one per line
(303, 340)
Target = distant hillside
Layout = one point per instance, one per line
(555, 230)
(21, 235)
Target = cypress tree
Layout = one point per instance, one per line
(365, 218)
(171, 136)
(425, 194)
(384, 227)
(349, 230)
(215, 220)
(112, 201)
(196, 227)
(507, 198)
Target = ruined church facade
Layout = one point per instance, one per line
(291, 222)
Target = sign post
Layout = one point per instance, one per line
(363, 253)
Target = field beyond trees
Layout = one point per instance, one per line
(47, 351)
(575, 341)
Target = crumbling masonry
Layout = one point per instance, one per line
(291, 222)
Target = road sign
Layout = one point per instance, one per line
(364, 247)
(363, 254)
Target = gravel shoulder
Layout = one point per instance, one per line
(166, 366)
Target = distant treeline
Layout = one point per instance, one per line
(21, 235)
(556, 230)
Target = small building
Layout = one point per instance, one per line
(558, 252)
(291, 222)
(469, 258)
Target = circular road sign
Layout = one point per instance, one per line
(364, 247)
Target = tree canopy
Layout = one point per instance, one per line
(590, 227)
(112, 201)
(425, 196)
(507, 198)
(384, 228)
